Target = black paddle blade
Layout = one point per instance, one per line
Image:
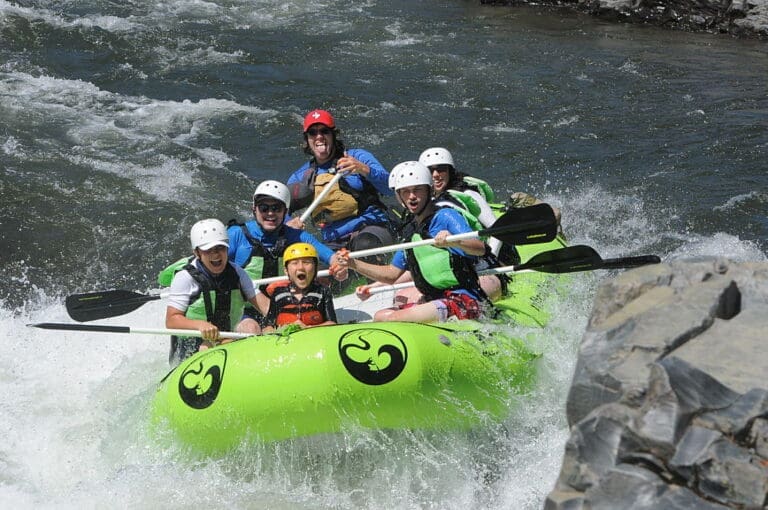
(564, 260)
(101, 305)
(527, 225)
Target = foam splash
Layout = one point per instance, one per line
(102, 123)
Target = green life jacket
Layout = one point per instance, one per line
(165, 277)
(465, 204)
(482, 187)
(435, 270)
(222, 304)
(264, 262)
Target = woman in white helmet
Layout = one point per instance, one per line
(258, 245)
(443, 272)
(456, 189)
(209, 293)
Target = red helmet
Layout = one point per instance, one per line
(319, 117)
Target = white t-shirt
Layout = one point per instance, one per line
(183, 287)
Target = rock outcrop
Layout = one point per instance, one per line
(669, 402)
(743, 18)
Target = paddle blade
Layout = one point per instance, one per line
(629, 262)
(526, 225)
(565, 260)
(101, 305)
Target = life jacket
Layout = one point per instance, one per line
(343, 201)
(220, 302)
(462, 202)
(435, 270)
(165, 277)
(289, 310)
(216, 301)
(264, 262)
(481, 187)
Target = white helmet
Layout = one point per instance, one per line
(411, 173)
(436, 156)
(392, 179)
(274, 189)
(206, 234)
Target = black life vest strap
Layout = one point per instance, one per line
(217, 314)
(270, 255)
(464, 272)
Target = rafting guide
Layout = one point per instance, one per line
(351, 213)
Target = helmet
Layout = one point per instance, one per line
(436, 156)
(411, 173)
(274, 189)
(319, 117)
(299, 250)
(392, 179)
(206, 234)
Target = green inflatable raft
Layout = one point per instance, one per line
(320, 380)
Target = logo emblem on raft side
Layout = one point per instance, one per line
(200, 381)
(373, 356)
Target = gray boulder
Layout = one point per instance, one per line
(668, 406)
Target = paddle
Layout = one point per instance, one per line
(519, 226)
(92, 306)
(527, 225)
(326, 189)
(570, 259)
(126, 329)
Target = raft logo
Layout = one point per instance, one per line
(373, 356)
(201, 379)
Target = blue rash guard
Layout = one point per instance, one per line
(373, 215)
(452, 221)
(240, 248)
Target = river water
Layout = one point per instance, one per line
(122, 123)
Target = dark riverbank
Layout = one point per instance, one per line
(740, 18)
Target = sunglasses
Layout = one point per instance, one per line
(440, 168)
(265, 208)
(314, 131)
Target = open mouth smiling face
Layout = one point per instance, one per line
(413, 197)
(440, 178)
(320, 139)
(270, 214)
(214, 259)
(301, 271)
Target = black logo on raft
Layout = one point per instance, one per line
(373, 356)
(201, 379)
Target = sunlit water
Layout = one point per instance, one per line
(122, 124)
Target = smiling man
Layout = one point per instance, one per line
(352, 215)
(209, 293)
(258, 244)
(443, 272)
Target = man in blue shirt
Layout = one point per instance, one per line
(258, 244)
(352, 214)
(444, 271)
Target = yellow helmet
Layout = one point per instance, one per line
(299, 250)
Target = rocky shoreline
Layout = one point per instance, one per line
(740, 18)
(668, 406)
